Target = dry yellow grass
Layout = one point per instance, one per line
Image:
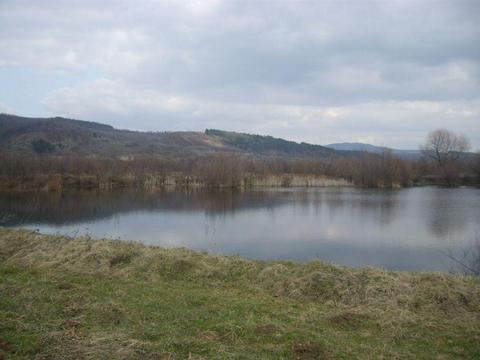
(314, 281)
(276, 309)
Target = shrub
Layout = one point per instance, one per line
(41, 146)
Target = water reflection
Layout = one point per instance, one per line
(73, 207)
(399, 229)
(381, 204)
(451, 210)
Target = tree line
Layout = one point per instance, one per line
(444, 161)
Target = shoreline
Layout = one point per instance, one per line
(150, 181)
(58, 183)
(79, 297)
(34, 236)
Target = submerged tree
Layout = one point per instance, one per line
(477, 166)
(445, 148)
(469, 260)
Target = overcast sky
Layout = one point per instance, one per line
(383, 72)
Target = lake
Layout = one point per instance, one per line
(406, 229)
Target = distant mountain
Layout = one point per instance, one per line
(357, 147)
(403, 154)
(62, 136)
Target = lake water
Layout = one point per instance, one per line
(407, 229)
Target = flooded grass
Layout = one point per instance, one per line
(78, 298)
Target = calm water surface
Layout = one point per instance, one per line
(408, 229)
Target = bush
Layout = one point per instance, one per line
(41, 146)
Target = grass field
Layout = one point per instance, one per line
(66, 298)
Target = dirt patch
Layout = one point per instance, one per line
(91, 349)
(267, 329)
(65, 286)
(307, 350)
(4, 346)
(122, 259)
(72, 309)
(209, 336)
(181, 266)
(349, 320)
(111, 314)
(5, 349)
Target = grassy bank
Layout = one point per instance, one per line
(65, 298)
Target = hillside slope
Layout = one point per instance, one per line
(61, 136)
(268, 144)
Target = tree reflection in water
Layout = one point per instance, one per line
(403, 229)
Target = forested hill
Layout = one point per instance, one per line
(268, 144)
(62, 136)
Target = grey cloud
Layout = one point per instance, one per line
(274, 66)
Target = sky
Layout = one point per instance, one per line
(381, 72)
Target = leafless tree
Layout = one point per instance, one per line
(444, 148)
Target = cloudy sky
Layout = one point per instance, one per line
(384, 72)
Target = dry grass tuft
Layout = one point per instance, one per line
(313, 281)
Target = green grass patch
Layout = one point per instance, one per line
(62, 298)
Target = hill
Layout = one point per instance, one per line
(268, 144)
(62, 136)
(403, 154)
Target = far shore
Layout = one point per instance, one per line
(56, 182)
(171, 180)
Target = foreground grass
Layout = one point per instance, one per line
(63, 298)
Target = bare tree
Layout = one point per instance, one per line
(444, 148)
